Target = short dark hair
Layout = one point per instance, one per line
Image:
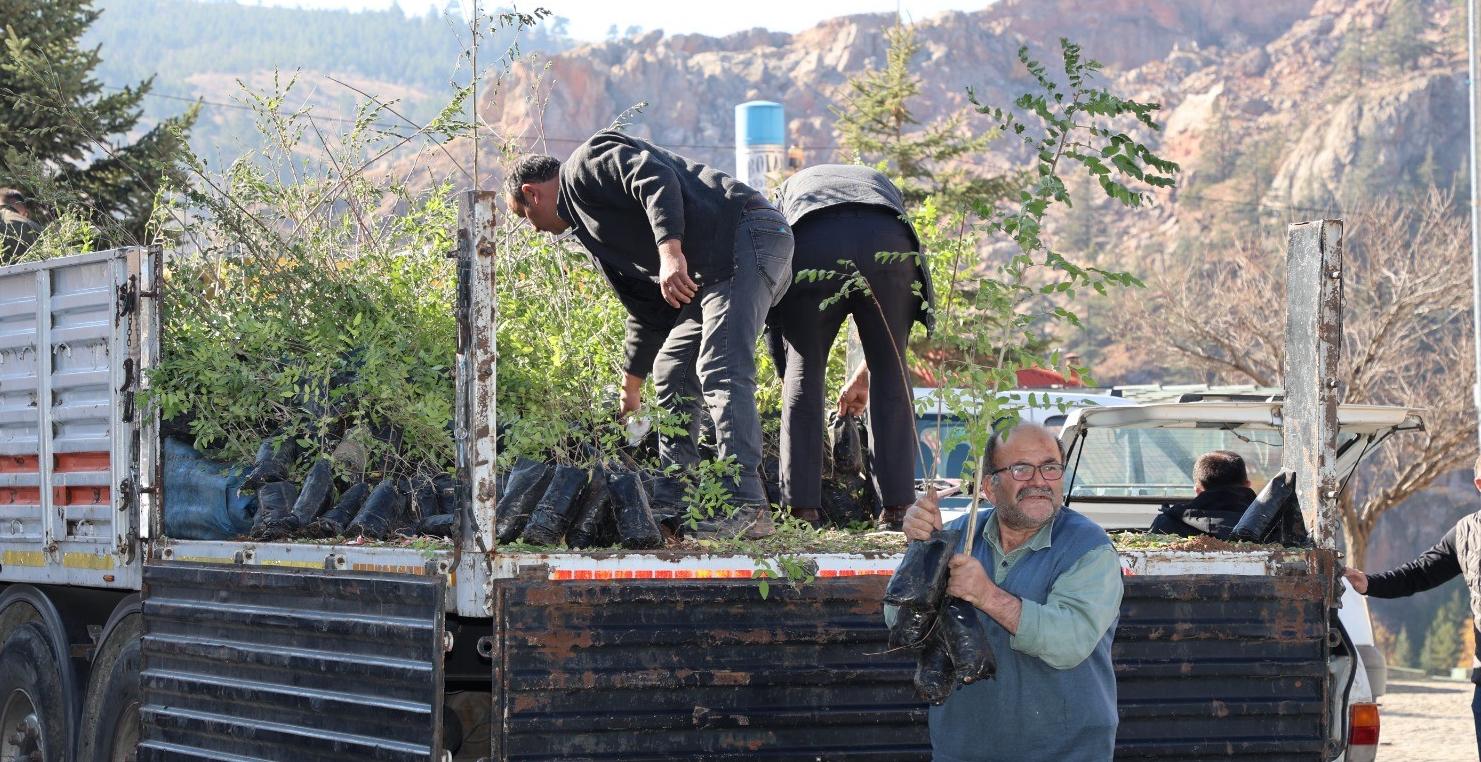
(535, 168)
(1220, 468)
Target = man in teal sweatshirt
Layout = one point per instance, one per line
(1047, 584)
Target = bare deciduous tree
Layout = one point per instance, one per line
(1407, 336)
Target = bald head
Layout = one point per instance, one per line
(1028, 503)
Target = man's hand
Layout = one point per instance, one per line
(632, 392)
(969, 581)
(673, 274)
(1357, 579)
(855, 396)
(922, 517)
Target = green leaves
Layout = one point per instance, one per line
(998, 315)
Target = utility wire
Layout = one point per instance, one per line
(387, 126)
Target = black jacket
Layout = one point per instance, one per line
(1214, 512)
(826, 186)
(1434, 567)
(623, 196)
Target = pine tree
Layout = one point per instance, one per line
(63, 139)
(876, 126)
(1401, 41)
(1402, 654)
(1442, 646)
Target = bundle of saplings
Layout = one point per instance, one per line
(946, 634)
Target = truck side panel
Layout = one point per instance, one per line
(649, 669)
(249, 663)
(1223, 666)
(68, 431)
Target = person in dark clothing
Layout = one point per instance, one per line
(1457, 553)
(17, 230)
(1221, 488)
(850, 213)
(698, 259)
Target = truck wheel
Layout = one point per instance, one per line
(110, 713)
(33, 709)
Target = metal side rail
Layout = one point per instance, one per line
(247, 663)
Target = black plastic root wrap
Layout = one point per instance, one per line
(424, 497)
(447, 493)
(848, 446)
(934, 676)
(440, 525)
(316, 487)
(635, 525)
(332, 523)
(911, 628)
(920, 581)
(548, 523)
(274, 505)
(273, 461)
(382, 512)
(966, 642)
(592, 514)
(527, 483)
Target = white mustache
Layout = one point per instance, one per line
(1035, 492)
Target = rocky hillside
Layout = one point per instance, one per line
(1272, 106)
(691, 83)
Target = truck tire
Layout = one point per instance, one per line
(110, 711)
(33, 708)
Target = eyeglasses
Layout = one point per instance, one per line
(1022, 472)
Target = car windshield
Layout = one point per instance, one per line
(1158, 462)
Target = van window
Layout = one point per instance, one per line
(1158, 462)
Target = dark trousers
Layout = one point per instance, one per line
(1476, 717)
(807, 330)
(708, 361)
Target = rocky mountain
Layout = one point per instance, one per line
(1273, 104)
(690, 83)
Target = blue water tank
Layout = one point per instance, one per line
(760, 123)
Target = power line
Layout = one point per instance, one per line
(387, 126)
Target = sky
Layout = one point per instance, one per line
(590, 20)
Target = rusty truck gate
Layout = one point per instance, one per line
(642, 669)
(1224, 666)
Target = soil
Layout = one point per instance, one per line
(1198, 544)
(1426, 721)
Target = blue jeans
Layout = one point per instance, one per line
(710, 356)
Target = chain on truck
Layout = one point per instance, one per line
(118, 643)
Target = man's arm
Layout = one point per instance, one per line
(1065, 628)
(1082, 604)
(1432, 568)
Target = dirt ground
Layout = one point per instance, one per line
(1426, 721)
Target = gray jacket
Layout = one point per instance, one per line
(827, 185)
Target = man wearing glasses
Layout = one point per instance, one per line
(1050, 605)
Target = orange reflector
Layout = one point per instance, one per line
(1364, 725)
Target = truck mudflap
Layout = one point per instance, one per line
(1225, 666)
(244, 663)
(642, 669)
